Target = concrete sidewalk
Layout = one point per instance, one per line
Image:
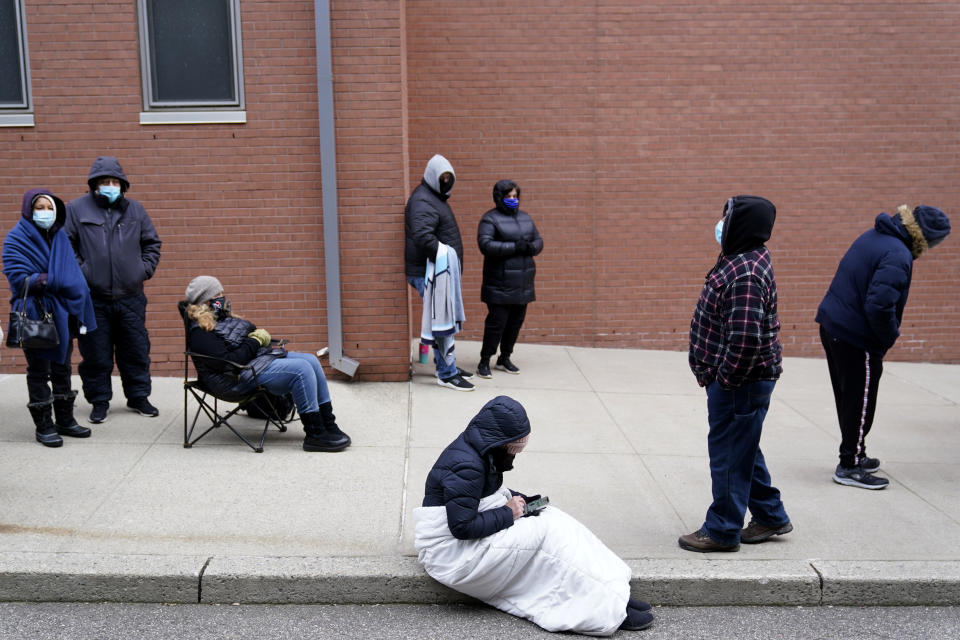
(619, 441)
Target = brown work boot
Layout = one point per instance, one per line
(702, 543)
(756, 532)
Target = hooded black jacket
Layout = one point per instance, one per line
(116, 244)
(465, 473)
(507, 274)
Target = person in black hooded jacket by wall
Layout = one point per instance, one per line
(118, 249)
(508, 240)
(428, 223)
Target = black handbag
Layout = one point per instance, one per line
(27, 333)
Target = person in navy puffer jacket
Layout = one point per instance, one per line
(860, 319)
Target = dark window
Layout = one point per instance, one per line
(13, 74)
(191, 53)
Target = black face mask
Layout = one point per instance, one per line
(221, 307)
(446, 185)
(502, 461)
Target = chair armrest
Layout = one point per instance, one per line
(256, 378)
(194, 354)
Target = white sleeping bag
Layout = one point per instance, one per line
(549, 569)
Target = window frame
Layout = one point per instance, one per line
(20, 115)
(179, 112)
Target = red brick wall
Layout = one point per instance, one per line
(629, 124)
(241, 202)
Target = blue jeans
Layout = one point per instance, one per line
(737, 468)
(444, 357)
(299, 374)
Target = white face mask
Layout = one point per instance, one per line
(44, 218)
(718, 231)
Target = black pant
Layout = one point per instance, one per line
(502, 327)
(121, 329)
(855, 375)
(41, 373)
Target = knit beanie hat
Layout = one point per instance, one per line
(515, 447)
(202, 288)
(934, 224)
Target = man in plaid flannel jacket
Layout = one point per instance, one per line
(735, 353)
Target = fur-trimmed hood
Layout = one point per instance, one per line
(925, 226)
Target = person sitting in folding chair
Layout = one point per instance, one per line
(214, 331)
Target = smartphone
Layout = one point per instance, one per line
(536, 505)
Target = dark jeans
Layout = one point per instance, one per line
(737, 468)
(855, 375)
(41, 373)
(501, 328)
(121, 330)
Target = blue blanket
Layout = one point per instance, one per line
(25, 255)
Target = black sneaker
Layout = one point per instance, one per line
(638, 605)
(857, 477)
(870, 465)
(455, 382)
(483, 369)
(466, 375)
(636, 620)
(143, 407)
(504, 364)
(99, 413)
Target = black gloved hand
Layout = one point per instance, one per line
(522, 246)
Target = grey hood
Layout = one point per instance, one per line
(437, 166)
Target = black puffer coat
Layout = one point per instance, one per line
(428, 220)
(507, 275)
(465, 472)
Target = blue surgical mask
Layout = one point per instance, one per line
(109, 192)
(718, 230)
(44, 218)
(511, 203)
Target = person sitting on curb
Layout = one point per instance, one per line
(215, 331)
(735, 353)
(859, 321)
(474, 535)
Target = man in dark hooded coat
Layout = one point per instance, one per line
(735, 353)
(118, 249)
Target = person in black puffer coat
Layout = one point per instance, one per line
(476, 536)
(508, 240)
(428, 223)
(859, 321)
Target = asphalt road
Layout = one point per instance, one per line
(45, 621)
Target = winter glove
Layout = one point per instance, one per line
(39, 283)
(261, 336)
(522, 246)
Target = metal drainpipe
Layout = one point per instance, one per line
(328, 181)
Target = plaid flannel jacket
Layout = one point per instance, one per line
(734, 333)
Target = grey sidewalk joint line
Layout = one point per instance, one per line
(820, 577)
(200, 580)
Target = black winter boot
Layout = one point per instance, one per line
(46, 432)
(330, 421)
(64, 423)
(318, 438)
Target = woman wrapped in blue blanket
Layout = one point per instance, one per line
(37, 255)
